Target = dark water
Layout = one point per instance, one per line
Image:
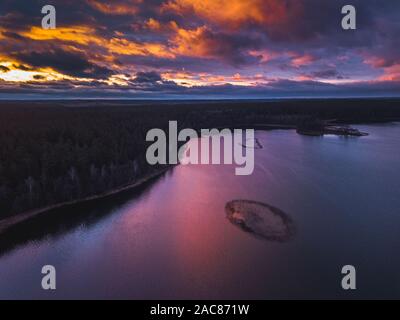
(172, 239)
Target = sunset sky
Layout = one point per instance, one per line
(199, 49)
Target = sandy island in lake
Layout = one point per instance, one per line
(261, 220)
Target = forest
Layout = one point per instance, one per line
(57, 151)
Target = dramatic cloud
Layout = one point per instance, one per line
(68, 63)
(209, 48)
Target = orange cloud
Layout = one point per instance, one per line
(191, 42)
(153, 24)
(391, 69)
(85, 36)
(115, 8)
(391, 73)
(299, 61)
(376, 62)
(78, 34)
(199, 42)
(263, 55)
(232, 12)
(126, 47)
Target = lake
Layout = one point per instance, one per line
(172, 239)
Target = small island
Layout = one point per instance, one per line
(261, 220)
(316, 127)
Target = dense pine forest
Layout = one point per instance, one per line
(52, 152)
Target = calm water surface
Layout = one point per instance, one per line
(173, 240)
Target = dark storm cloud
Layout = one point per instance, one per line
(4, 69)
(193, 64)
(325, 74)
(22, 67)
(147, 77)
(151, 82)
(72, 64)
(231, 47)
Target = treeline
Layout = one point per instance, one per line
(52, 154)
(55, 152)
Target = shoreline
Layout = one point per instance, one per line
(9, 222)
